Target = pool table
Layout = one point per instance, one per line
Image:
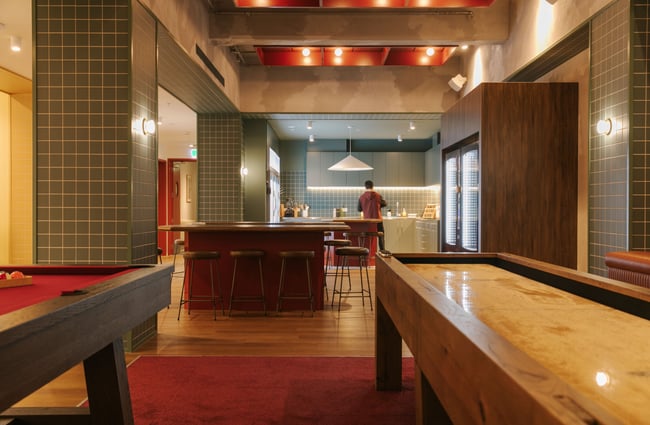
(502, 339)
(69, 315)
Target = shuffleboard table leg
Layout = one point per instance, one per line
(108, 388)
(388, 351)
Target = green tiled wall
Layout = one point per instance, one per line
(219, 145)
(88, 171)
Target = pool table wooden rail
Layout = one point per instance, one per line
(40, 342)
(466, 373)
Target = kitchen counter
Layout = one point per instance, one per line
(270, 238)
(411, 234)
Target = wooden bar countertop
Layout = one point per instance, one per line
(255, 226)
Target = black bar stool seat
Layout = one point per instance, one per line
(295, 255)
(191, 258)
(243, 254)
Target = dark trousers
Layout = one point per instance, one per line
(380, 228)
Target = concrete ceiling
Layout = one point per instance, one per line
(248, 27)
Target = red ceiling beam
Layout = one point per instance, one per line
(353, 56)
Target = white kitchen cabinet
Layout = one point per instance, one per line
(426, 235)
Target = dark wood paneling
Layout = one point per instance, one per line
(529, 156)
(462, 120)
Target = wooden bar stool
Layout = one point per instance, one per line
(295, 255)
(179, 247)
(252, 254)
(191, 258)
(343, 255)
(330, 250)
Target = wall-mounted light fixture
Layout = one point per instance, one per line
(311, 138)
(604, 127)
(243, 171)
(144, 126)
(148, 126)
(15, 43)
(411, 125)
(309, 125)
(457, 82)
(399, 138)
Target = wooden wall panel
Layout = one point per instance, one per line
(529, 159)
(462, 120)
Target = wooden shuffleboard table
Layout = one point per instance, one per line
(69, 315)
(501, 339)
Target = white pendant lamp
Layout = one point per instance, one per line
(350, 163)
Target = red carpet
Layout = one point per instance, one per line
(266, 390)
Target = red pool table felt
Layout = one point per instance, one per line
(52, 281)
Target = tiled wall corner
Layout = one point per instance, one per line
(144, 152)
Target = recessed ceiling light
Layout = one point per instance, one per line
(306, 52)
(430, 51)
(338, 51)
(464, 47)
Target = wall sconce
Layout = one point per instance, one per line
(148, 126)
(243, 171)
(15, 43)
(311, 138)
(411, 125)
(309, 125)
(457, 82)
(144, 126)
(604, 127)
(399, 138)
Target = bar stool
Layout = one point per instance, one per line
(252, 254)
(330, 250)
(343, 255)
(371, 237)
(295, 255)
(191, 258)
(179, 246)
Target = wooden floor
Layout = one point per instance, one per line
(349, 332)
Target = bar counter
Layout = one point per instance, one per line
(270, 238)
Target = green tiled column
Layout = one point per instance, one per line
(95, 178)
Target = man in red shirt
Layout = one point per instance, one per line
(371, 203)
